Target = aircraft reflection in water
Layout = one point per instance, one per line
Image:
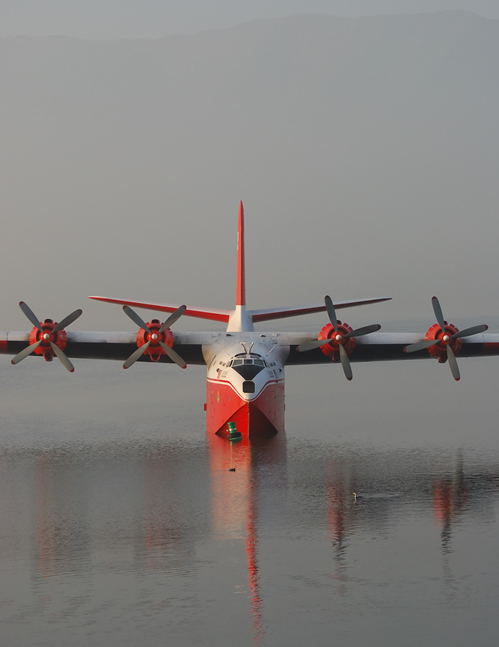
(151, 508)
(453, 495)
(449, 498)
(236, 497)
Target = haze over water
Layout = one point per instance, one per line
(366, 153)
(124, 524)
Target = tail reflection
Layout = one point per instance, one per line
(235, 501)
(253, 579)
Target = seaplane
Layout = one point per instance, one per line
(245, 367)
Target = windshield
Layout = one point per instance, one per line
(252, 361)
(248, 367)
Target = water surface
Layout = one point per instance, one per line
(122, 524)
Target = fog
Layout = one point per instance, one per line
(365, 151)
(105, 19)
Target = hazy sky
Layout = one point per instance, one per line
(153, 18)
(365, 152)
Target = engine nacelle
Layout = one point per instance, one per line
(154, 350)
(445, 339)
(60, 339)
(332, 349)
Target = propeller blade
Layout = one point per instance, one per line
(438, 313)
(474, 330)
(25, 352)
(303, 348)
(173, 355)
(413, 348)
(173, 318)
(136, 319)
(331, 312)
(30, 314)
(61, 355)
(365, 330)
(68, 320)
(453, 364)
(345, 362)
(136, 354)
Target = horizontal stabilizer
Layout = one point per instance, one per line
(213, 314)
(282, 313)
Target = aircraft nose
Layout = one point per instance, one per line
(248, 386)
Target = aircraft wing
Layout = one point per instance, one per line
(112, 345)
(384, 347)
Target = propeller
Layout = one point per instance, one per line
(154, 337)
(50, 337)
(446, 338)
(339, 338)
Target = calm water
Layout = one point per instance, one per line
(122, 524)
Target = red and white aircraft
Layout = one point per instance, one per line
(245, 368)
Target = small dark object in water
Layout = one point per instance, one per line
(357, 496)
(232, 469)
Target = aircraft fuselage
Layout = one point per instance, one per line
(245, 382)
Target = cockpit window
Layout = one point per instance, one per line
(252, 361)
(248, 367)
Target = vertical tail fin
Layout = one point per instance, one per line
(241, 276)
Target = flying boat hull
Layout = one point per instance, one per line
(262, 415)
